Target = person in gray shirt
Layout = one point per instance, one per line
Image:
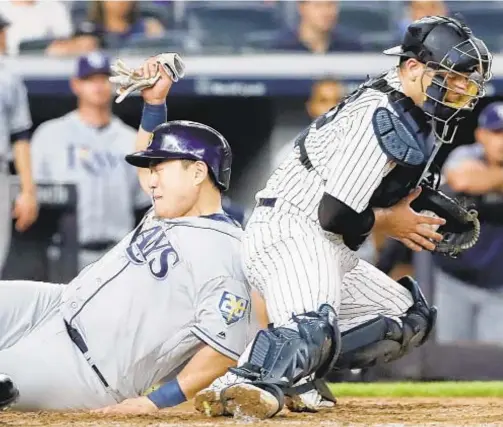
(15, 127)
(86, 147)
(469, 289)
(168, 304)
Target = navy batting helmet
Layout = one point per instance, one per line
(188, 140)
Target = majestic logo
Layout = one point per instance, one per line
(232, 307)
(153, 248)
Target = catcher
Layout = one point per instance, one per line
(362, 166)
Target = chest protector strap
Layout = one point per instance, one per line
(406, 138)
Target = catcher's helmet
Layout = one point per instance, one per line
(448, 47)
(184, 139)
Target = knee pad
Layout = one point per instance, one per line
(283, 356)
(383, 339)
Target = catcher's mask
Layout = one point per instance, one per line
(450, 52)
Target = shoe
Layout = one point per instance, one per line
(9, 393)
(313, 400)
(208, 401)
(247, 400)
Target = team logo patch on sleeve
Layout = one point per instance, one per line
(232, 307)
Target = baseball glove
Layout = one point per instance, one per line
(129, 81)
(462, 228)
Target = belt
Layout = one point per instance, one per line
(77, 339)
(97, 246)
(268, 203)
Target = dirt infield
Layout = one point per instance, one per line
(350, 412)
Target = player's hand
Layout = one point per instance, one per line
(25, 210)
(411, 228)
(156, 94)
(137, 405)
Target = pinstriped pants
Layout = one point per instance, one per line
(297, 267)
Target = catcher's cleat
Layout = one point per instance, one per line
(9, 393)
(312, 396)
(246, 400)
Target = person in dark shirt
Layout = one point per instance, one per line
(317, 31)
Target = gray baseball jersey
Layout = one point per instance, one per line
(143, 310)
(67, 150)
(15, 122)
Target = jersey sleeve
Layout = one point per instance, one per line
(19, 110)
(355, 171)
(223, 316)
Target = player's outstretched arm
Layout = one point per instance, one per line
(206, 366)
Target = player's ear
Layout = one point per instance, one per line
(74, 86)
(200, 172)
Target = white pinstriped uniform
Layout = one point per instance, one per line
(288, 257)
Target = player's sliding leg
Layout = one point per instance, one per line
(23, 304)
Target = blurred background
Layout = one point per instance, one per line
(259, 72)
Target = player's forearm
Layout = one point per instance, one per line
(478, 181)
(22, 161)
(205, 369)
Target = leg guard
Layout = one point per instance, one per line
(382, 339)
(282, 356)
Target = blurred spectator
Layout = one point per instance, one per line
(417, 9)
(469, 291)
(32, 20)
(15, 127)
(86, 147)
(317, 31)
(325, 94)
(110, 24)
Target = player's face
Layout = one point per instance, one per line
(325, 96)
(421, 8)
(174, 188)
(492, 140)
(320, 15)
(118, 8)
(95, 90)
(461, 88)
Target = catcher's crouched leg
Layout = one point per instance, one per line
(383, 339)
(281, 356)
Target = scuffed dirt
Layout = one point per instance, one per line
(349, 412)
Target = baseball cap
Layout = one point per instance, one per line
(93, 63)
(491, 117)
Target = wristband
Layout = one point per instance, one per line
(153, 116)
(169, 394)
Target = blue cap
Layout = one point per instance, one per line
(491, 117)
(93, 63)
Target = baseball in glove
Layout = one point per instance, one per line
(129, 81)
(462, 228)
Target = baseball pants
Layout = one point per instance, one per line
(296, 267)
(36, 351)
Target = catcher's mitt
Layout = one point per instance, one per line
(129, 81)
(462, 228)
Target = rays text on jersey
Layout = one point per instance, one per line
(152, 247)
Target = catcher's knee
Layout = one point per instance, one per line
(382, 339)
(282, 355)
